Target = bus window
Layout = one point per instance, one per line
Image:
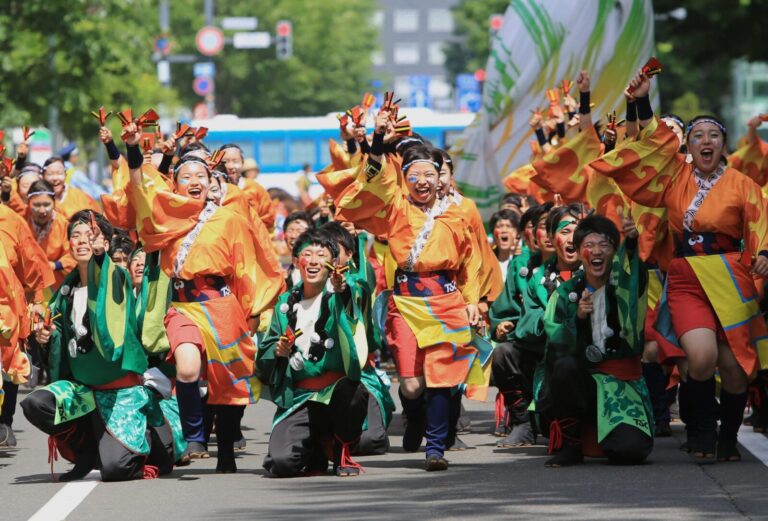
(272, 152)
(302, 151)
(325, 153)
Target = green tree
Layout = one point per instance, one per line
(329, 70)
(76, 55)
(471, 24)
(697, 51)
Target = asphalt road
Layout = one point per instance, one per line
(481, 483)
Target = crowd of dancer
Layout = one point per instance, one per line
(609, 285)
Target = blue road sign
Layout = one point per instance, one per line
(204, 69)
(419, 85)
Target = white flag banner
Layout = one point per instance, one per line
(540, 44)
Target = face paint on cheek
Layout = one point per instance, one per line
(183, 182)
(586, 253)
(413, 179)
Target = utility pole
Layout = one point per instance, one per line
(210, 99)
(163, 65)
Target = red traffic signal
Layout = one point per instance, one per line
(496, 21)
(284, 28)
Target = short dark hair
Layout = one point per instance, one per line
(318, 237)
(341, 235)
(187, 158)
(84, 217)
(53, 159)
(575, 210)
(298, 216)
(540, 212)
(596, 224)
(446, 159)
(191, 147)
(504, 215)
(121, 241)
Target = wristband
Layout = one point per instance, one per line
(351, 146)
(584, 107)
(165, 164)
(112, 152)
(644, 110)
(377, 146)
(540, 137)
(631, 111)
(560, 130)
(20, 162)
(135, 159)
(57, 266)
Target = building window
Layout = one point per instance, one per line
(406, 53)
(377, 58)
(440, 20)
(435, 53)
(406, 20)
(377, 20)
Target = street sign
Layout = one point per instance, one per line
(240, 23)
(419, 85)
(203, 85)
(164, 72)
(257, 40)
(204, 69)
(468, 93)
(209, 40)
(163, 44)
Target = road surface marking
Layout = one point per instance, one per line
(67, 499)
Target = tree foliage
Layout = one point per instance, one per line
(471, 23)
(330, 68)
(76, 55)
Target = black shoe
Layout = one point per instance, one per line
(196, 450)
(84, 464)
(458, 444)
(414, 433)
(567, 456)
(7, 439)
(225, 463)
(703, 445)
(521, 436)
(436, 463)
(663, 430)
(727, 451)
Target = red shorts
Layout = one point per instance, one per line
(181, 330)
(688, 303)
(409, 359)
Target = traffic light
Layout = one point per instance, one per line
(284, 40)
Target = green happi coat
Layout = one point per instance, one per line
(346, 357)
(362, 275)
(116, 352)
(508, 307)
(541, 283)
(618, 401)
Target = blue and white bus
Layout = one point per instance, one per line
(281, 146)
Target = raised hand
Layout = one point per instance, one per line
(583, 81)
(105, 135)
(585, 305)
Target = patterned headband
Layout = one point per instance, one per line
(408, 165)
(705, 120)
(42, 192)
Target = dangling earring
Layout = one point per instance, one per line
(688, 158)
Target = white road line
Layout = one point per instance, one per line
(67, 499)
(754, 442)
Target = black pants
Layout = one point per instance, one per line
(573, 394)
(512, 373)
(9, 403)
(296, 443)
(374, 441)
(90, 437)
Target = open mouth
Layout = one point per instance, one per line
(707, 154)
(422, 192)
(570, 250)
(597, 263)
(83, 251)
(313, 271)
(140, 272)
(195, 193)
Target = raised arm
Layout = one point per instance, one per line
(585, 111)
